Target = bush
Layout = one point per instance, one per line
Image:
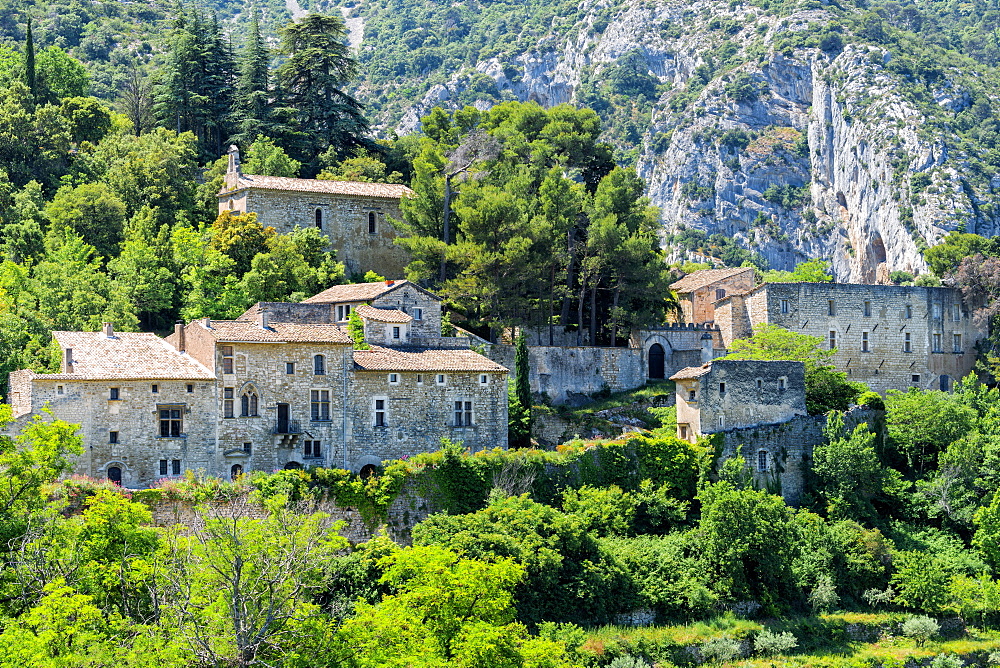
(921, 629)
(636, 662)
(872, 400)
(947, 661)
(768, 644)
(720, 650)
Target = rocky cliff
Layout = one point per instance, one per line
(782, 130)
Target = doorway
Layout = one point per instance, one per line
(656, 361)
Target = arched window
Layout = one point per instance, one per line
(656, 361)
(319, 365)
(368, 470)
(292, 466)
(319, 218)
(236, 471)
(371, 222)
(249, 404)
(115, 474)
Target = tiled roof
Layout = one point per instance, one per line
(703, 277)
(354, 292)
(126, 355)
(422, 359)
(382, 314)
(691, 372)
(277, 332)
(349, 188)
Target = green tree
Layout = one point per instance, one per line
(89, 120)
(91, 210)
(848, 469)
(987, 536)
(519, 404)
(356, 330)
(252, 101)
(921, 424)
(944, 258)
(312, 80)
(266, 158)
(30, 70)
(810, 271)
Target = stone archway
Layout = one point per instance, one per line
(656, 362)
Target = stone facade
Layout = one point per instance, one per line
(356, 217)
(698, 292)
(735, 394)
(261, 394)
(887, 336)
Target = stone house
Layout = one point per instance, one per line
(887, 336)
(281, 387)
(356, 217)
(698, 291)
(733, 394)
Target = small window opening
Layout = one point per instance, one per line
(112, 437)
(156, 389)
(190, 389)
(289, 368)
(722, 388)
(113, 394)
(319, 218)
(371, 222)
(868, 309)
(762, 460)
(319, 365)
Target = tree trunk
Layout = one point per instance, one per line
(614, 317)
(579, 314)
(593, 316)
(445, 234)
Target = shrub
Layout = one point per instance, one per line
(768, 644)
(872, 400)
(824, 596)
(947, 661)
(635, 662)
(921, 629)
(720, 650)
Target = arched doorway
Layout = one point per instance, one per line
(656, 360)
(367, 471)
(115, 474)
(290, 466)
(236, 471)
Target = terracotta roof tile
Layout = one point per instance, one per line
(348, 188)
(704, 277)
(382, 314)
(126, 355)
(354, 292)
(422, 359)
(278, 332)
(691, 372)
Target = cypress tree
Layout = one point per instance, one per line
(29, 62)
(519, 399)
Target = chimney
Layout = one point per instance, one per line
(233, 171)
(67, 360)
(264, 319)
(206, 323)
(707, 346)
(179, 335)
(109, 331)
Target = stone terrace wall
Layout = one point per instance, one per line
(790, 445)
(568, 373)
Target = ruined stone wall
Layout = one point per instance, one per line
(755, 392)
(566, 374)
(419, 412)
(789, 448)
(931, 317)
(699, 306)
(19, 384)
(345, 222)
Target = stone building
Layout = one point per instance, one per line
(734, 394)
(887, 336)
(698, 291)
(281, 387)
(355, 216)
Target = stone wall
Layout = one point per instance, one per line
(568, 374)
(756, 392)
(699, 306)
(408, 299)
(345, 223)
(788, 447)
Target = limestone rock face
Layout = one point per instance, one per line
(794, 151)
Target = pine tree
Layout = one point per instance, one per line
(251, 107)
(312, 80)
(29, 62)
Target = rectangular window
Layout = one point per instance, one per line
(227, 359)
(175, 467)
(394, 379)
(247, 447)
(163, 467)
(915, 378)
(762, 460)
(833, 339)
(320, 405)
(956, 340)
(319, 365)
(420, 379)
(868, 309)
(463, 413)
(395, 332)
(441, 379)
(956, 312)
(722, 422)
(380, 412)
(312, 449)
(937, 343)
(156, 389)
(782, 383)
(227, 402)
(190, 389)
(831, 307)
(907, 346)
(864, 342)
(722, 388)
(113, 394)
(484, 379)
(59, 389)
(784, 306)
(112, 437)
(684, 431)
(908, 312)
(691, 395)
(418, 314)
(936, 310)
(170, 422)
(289, 368)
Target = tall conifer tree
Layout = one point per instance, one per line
(29, 62)
(251, 105)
